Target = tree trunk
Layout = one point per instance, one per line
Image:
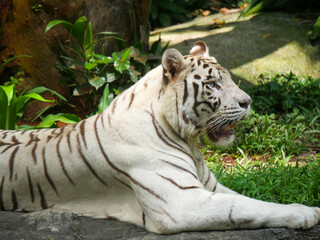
(24, 23)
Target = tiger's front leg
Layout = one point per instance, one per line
(173, 203)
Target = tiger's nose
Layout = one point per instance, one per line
(245, 103)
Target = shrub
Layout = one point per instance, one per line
(283, 93)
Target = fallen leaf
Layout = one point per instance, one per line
(244, 6)
(218, 24)
(224, 11)
(206, 13)
(264, 36)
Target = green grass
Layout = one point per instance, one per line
(276, 154)
(273, 182)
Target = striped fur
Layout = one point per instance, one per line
(137, 161)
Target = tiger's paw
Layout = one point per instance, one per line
(303, 217)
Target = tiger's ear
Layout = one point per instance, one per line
(173, 64)
(200, 49)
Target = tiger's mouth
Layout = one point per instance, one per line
(218, 134)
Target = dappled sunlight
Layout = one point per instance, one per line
(200, 27)
(262, 43)
(283, 60)
(179, 37)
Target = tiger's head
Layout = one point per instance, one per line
(201, 96)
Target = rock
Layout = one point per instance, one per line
(64, 225)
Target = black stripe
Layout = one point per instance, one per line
(1, 192)
(121, 171)
(114, 104)
(82, 133)
(30, 186)
(220, 74)
(196, 76)
(176, 184)
(178, 146)
(215, 186)
(102, 120)
(174, 156)
(23, 132)
(11, 161)
(49, 137)
(131, 99)
(122, 182)
(14, 200)
(15, 140)
(206, 182)
(43, 202)
(59, 134)
(195, 105)
(186, 93)
(165, 79)
(4, 135)
(143, 219)
(109, 120)
(230, 215)
(33, 152)
(177, 112)
(87, 163)
(69, 142)
(61, 161)
(184, 117)
(168, 215)
(179, 167)
(46, 171)
(8, 147)
(31, 138)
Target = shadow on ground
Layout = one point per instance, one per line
(261, 44)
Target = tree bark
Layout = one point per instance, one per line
(24, 23)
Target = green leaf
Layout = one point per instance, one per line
(89, 65)
(120, 65)
(67, 25)
(49, 120)
(3, 108)
(78, 29)
(111, 77)
(103, 59)
(9, 91)
(40, 90)
(24, 99)
(97, 82)
(9, 107)
(125, 54)
(256, 8)
(315, 32)
(156, 46)
(105, 101)
(25, 127)
(88, 42)
(133, 75)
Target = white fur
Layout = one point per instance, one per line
(151, 172)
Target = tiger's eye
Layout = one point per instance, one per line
(211, 84)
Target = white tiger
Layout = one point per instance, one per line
(138, 161)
